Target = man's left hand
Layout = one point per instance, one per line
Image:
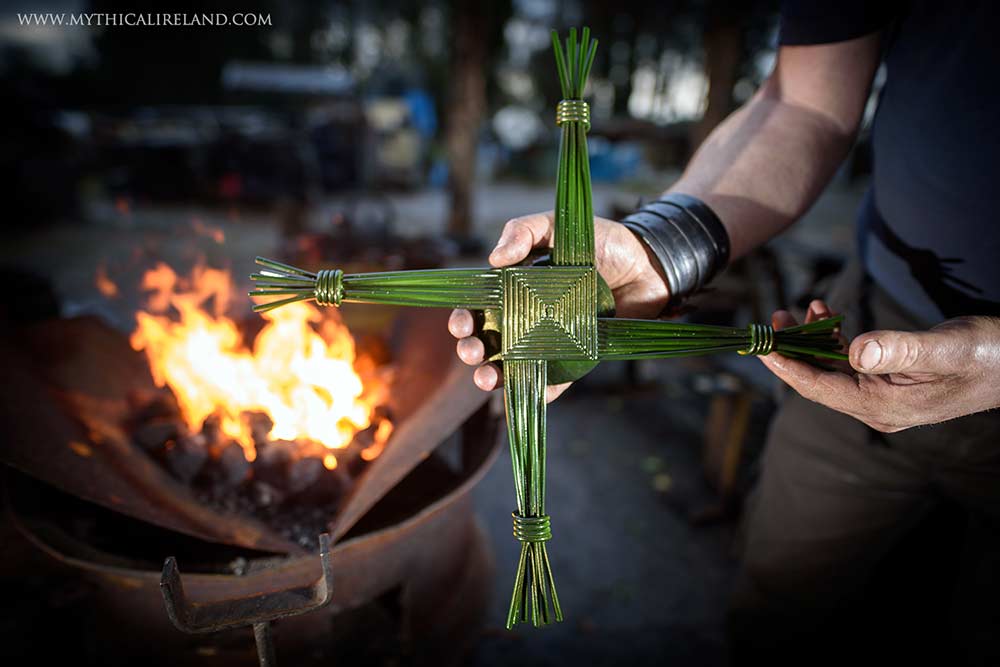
(899, 379)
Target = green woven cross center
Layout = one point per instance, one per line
(549, 313)
(546, 315)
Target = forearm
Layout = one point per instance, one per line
(764, 166)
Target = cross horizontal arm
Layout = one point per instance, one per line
(620, 339)
(477, 289)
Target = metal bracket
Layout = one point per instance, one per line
(258, 610)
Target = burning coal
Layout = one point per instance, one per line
(302, 370)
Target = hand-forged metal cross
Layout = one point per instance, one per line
(555, 323)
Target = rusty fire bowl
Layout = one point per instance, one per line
(431, 569)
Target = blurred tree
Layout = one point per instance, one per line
(476, 31)
(629, 30)
(722, 42)
(725, 36)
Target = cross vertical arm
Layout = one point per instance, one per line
(524, 399)
(573, 234)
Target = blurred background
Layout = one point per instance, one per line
(148, 165)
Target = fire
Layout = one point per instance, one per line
(300, 370)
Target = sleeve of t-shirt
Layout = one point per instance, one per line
(806, 22)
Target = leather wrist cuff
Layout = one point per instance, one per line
(687, 238)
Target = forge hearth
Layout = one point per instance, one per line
(288, 485)
(88, 492)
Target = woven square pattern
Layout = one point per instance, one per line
(550, 312)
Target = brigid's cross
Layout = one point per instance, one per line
(555, 324)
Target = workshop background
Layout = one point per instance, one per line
(147, 166)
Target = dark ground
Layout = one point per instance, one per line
(639, 582)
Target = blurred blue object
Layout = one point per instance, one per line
(613, 162)
(422, 114)
(437, 177)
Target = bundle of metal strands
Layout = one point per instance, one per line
(653, 339)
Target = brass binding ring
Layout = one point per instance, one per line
(532, 528)
(329, 288)
(761, 340)
(570, 111)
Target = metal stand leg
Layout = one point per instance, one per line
(257, 610)
(265, 644)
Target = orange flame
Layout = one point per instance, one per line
(300, 370)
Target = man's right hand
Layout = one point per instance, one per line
(628, 266)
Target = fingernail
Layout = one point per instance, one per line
(500, 248)
(871, 355)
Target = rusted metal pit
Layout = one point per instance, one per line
(411, 566)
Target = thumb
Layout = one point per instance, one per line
(519, 236)
(882, 352)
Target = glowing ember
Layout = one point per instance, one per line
(104, 284)
(300, 371)
(202, 228)
(382, 434)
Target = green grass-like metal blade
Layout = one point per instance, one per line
(271, 305)
(571, 59)
(281, 267)
(560, 64)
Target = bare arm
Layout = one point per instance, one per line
(765, 165)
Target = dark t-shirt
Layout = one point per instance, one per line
(929, 229)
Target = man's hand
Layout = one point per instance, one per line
(626, 264)
(897, 379)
